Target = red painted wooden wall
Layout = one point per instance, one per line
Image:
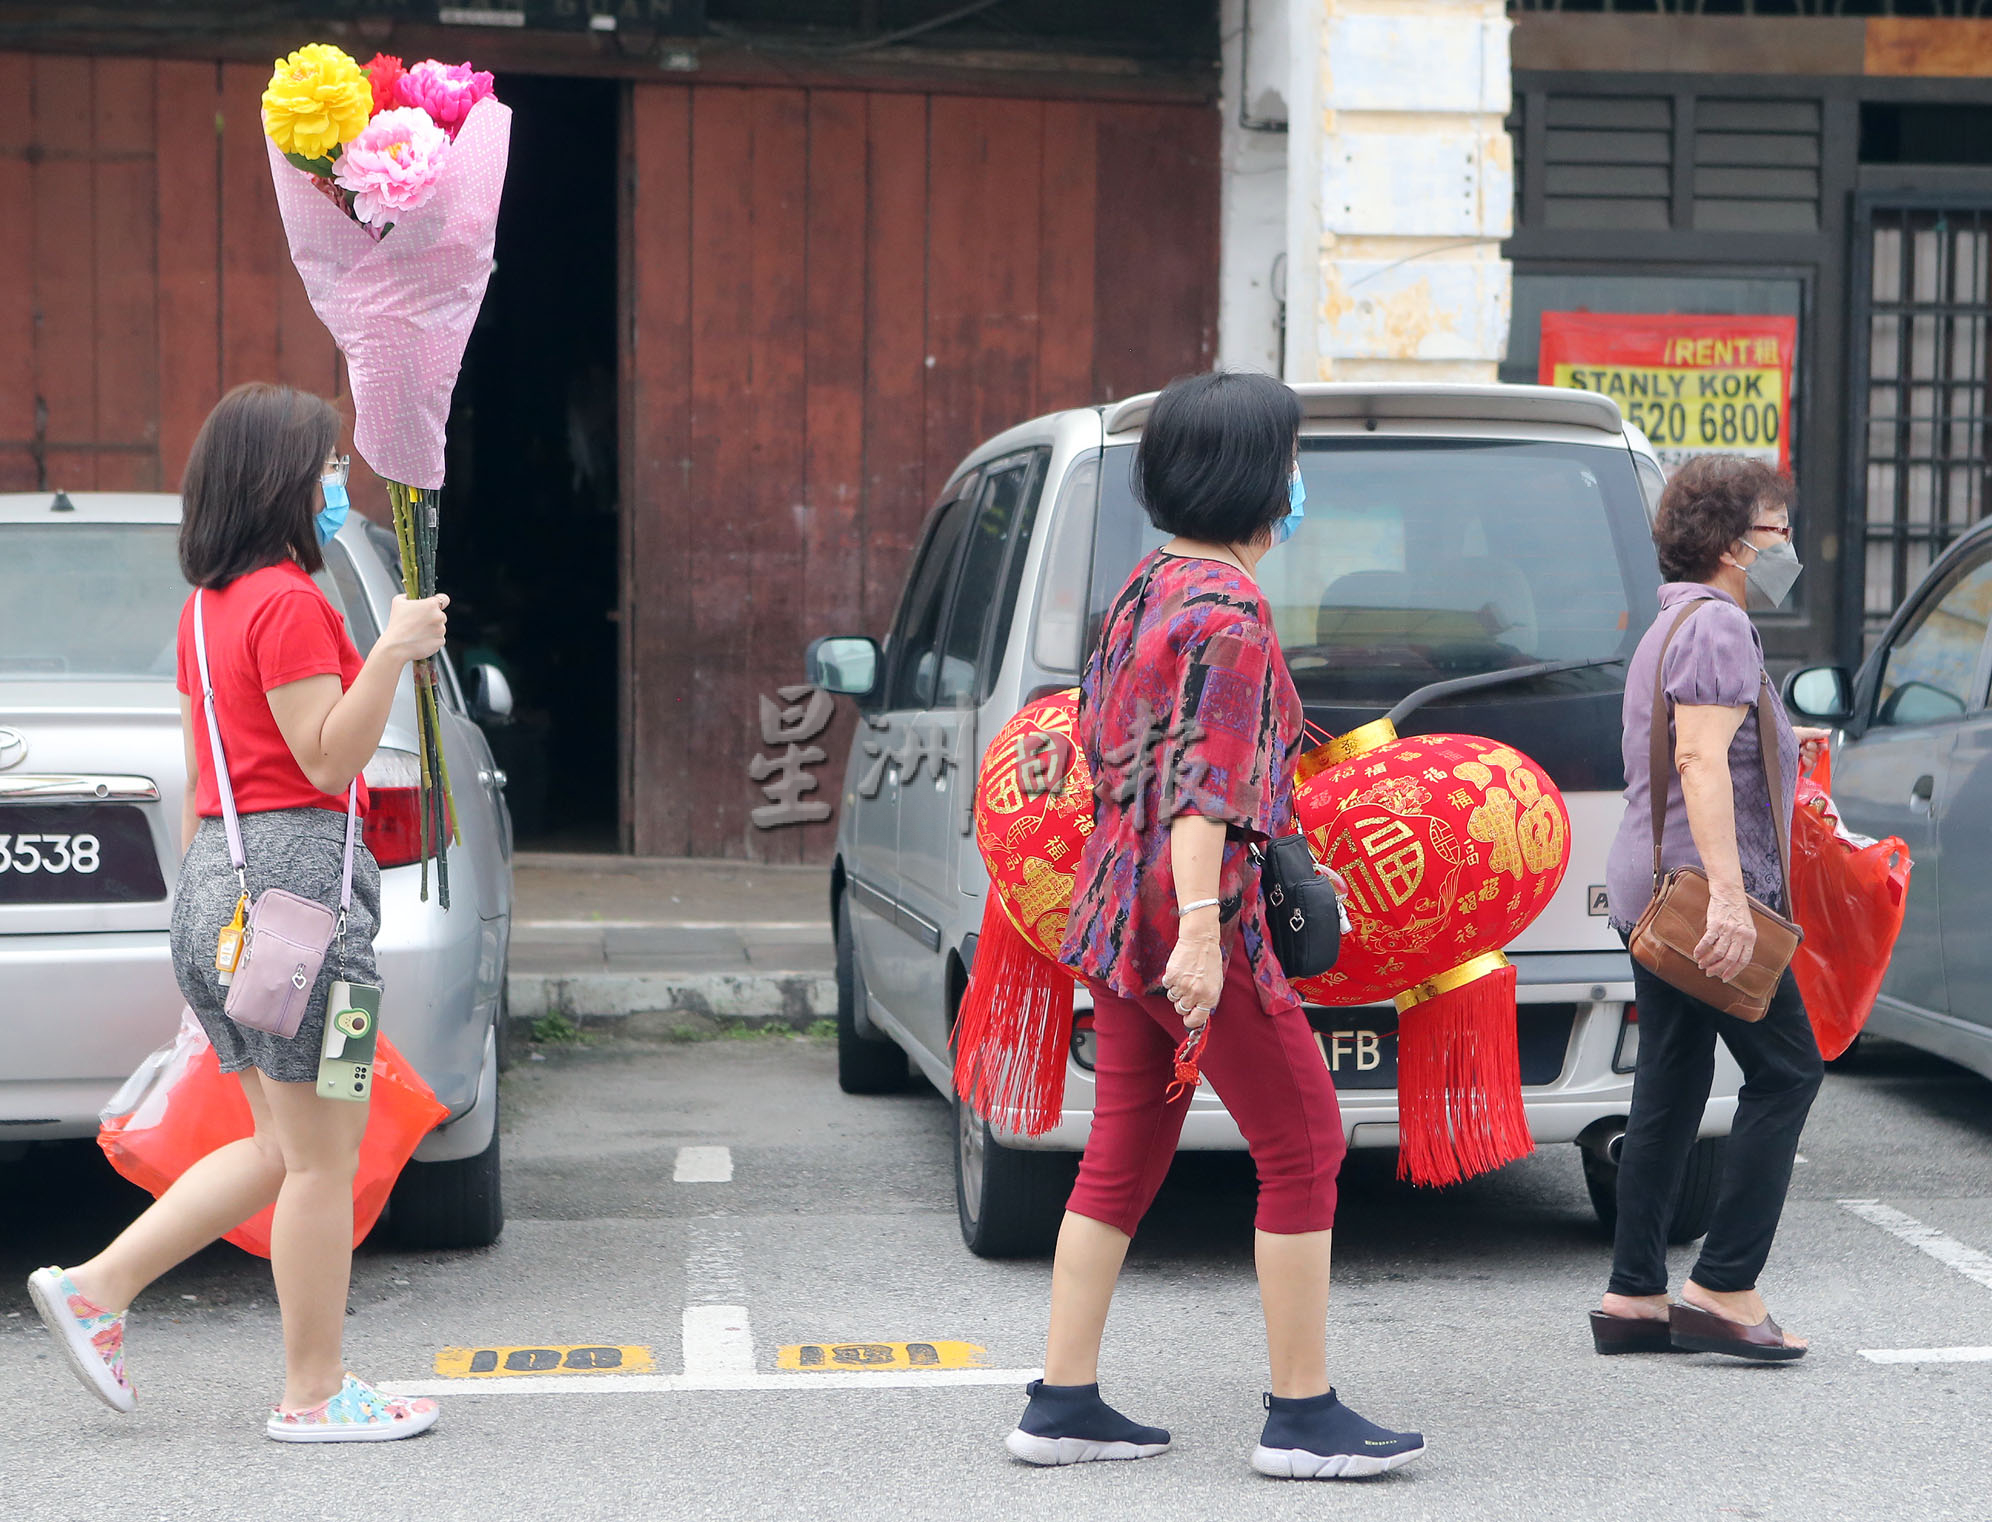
(143, 269)
(833, 296)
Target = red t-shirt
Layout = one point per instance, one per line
(265, 629)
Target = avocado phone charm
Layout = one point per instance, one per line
(352, 1026)
(228, 945)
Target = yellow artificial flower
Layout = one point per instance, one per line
(317, 100)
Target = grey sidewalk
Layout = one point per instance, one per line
(660, 943)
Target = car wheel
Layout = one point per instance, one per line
(1694, 1206)
(454, 1204)
(1010, 1202)
(866, 1064)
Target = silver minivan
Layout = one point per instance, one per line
(1452, 531)
(92, 771)
(1914, 759)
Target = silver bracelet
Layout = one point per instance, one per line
(1202, 903)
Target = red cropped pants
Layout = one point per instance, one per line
(1268, 1070)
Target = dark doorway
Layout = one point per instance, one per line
(530, 539)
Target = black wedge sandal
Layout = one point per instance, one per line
(1632, 1334)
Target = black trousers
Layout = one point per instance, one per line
(1781, 1073)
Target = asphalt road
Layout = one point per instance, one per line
(828, 1224)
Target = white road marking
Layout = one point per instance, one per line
(719, 1339)
(719, 1343)
(822, 925)
(661, 1384)
(1927, 1355)
(703, 1165)
(1947, 1250)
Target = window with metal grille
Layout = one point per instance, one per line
(1607, 161)
(1920, 430)
(1756, 165)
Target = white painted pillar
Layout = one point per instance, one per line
(1400, 188)
(1253, 259)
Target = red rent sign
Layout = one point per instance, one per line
(1693, 385)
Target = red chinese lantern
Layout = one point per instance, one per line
(1033, 812)
(1451, 846)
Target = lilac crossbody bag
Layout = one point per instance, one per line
(287, 934)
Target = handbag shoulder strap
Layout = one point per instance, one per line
(231, 821)
(1662, 755)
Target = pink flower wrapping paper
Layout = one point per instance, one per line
(401, 309)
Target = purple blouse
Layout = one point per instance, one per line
(1717, 660)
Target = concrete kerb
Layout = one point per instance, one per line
(652, 1004)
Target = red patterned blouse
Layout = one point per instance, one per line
(1186, 707)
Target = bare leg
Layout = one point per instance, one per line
(1640, 1307)
(311, 1240)
(215, 1196)
(1293, 1291)
(1083, 1273)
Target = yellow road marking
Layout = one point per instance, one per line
(846, 1357)
(493, 1363)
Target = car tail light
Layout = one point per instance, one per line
(1084, 1043)
(394, 811)
(1627, 1056)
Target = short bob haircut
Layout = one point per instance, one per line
(1709, 504)
(1216, 455)
(251, 487)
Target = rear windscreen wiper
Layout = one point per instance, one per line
(1420, 696)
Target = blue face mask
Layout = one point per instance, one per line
(327, 520)
(1296, 509)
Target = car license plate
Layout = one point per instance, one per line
(1360, 1046)
(77, 853)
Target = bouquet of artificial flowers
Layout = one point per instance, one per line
(359, 154)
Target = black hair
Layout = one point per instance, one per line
(251, 485)
(1216, 455)
(1710, 503)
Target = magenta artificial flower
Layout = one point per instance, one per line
(446, 91)
(392, 167)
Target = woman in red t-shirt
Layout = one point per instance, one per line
(300, 714)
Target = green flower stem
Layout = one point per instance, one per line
(416, 525)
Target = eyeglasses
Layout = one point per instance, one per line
(1782, 530)
(336, 468)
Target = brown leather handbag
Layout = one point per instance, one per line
(1664, 940)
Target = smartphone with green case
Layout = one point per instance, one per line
(352, 1029)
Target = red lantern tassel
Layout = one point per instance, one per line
(1459, 1075)
(1015, 1028)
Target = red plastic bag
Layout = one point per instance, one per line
(1849, 894)
(179, 1106)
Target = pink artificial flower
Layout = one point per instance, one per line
(393, 166)
(446, 91)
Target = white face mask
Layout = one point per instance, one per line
(1768, 579)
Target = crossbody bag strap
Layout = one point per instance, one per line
(1661, 753)
(1773, 756)
(230, 820)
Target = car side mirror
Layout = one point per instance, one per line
(490, 695)
(843, 663)
(1825, 693)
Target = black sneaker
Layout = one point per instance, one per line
(1319, 1438)
(1070, 1424)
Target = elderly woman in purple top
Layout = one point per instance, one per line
(1723, 531)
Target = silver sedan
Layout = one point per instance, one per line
(91, 777)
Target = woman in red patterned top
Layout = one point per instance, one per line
(1191, 725)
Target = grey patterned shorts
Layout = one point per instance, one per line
(298, 849)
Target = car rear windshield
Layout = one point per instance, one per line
(103, 600)
(1423, 560)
